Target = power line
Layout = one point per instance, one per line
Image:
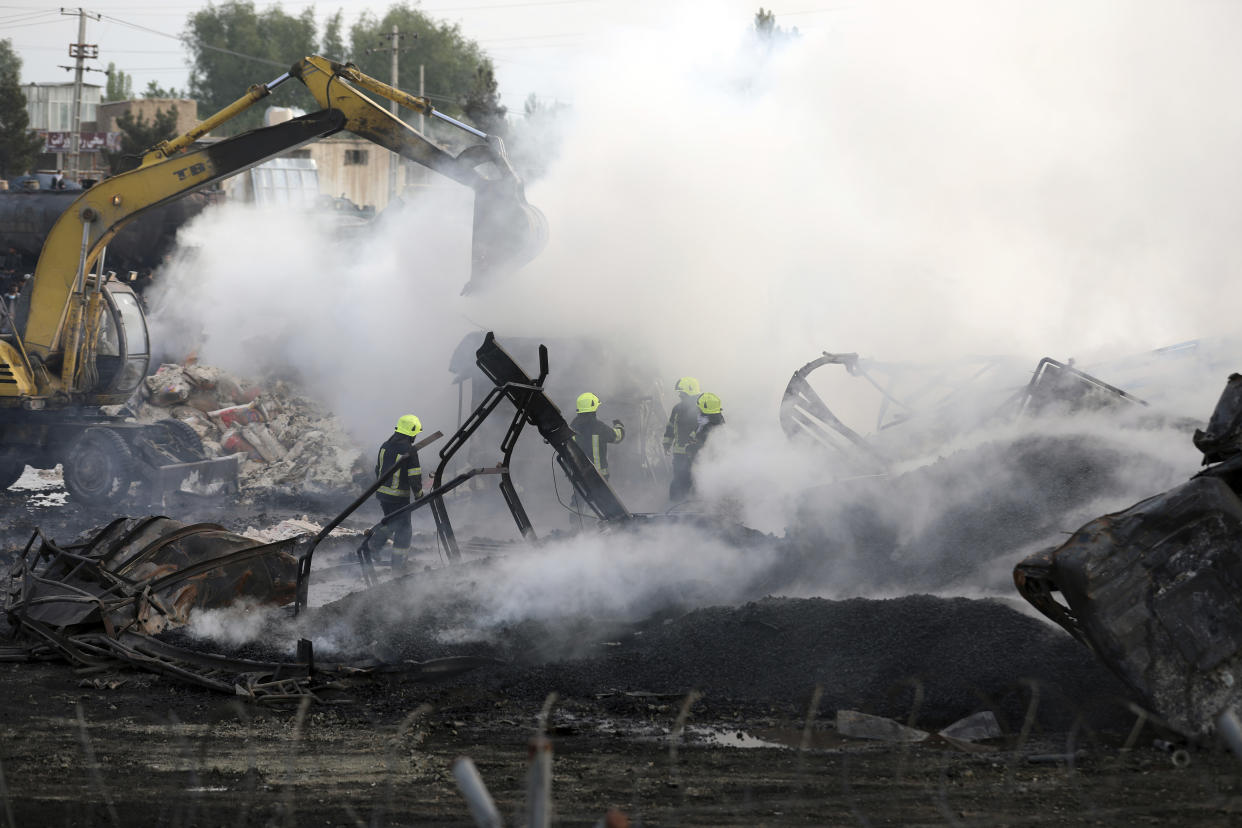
(562, 45)
(200, 45)
(530, 37)
(37, 23)
(24, 16)
(494, 6)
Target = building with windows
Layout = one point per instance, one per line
(354, 168)
(49, 107)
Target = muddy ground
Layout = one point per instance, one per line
(695, 714)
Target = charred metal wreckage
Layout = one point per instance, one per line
(531, 406)
(103, 600)
(1155, 591)
(908, 393)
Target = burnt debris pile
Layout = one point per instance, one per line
(289, 441)
(945, 524)
(958, 655)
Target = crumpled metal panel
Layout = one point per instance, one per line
(1156, 592)
(98, 602)
(147, 574)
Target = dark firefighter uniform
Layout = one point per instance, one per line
(683, 421)
(710, 417)
(593, 438)
(395, 491)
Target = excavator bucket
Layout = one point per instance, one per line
(508, 232)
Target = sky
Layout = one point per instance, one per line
(530, 41)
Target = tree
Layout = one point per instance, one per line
(482, 102)
(451, 59)
(255, 43)
(137, 136)
(120, 86)
(333, 47)
(234, 46)
(769, 33)
(535, 140)
(154, 90)
(18, 146)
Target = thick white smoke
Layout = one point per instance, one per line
(909, 181)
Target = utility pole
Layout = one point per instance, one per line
(422, 94)
(394, 46)
(80, 52)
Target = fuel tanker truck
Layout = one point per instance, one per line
(78, 339)
(28, 216)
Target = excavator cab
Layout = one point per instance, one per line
(124, 350)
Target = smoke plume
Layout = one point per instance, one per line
(909, 181)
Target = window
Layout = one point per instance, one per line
(355, 158)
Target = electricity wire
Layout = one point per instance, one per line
(496, 6)
(178, 38)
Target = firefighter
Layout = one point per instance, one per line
(711, 417)
(683, 421)
(395, 491)
(593, 438)
(591, 435)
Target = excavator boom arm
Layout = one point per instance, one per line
(507, 230)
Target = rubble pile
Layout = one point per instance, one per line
(290, 442)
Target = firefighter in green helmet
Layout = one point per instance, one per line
(591, 435)
(711, 417)
(395, 491)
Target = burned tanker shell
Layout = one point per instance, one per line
(27, 217)
(146, 574)
(1156, 592)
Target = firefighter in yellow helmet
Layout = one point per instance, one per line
(591, 435)
(397, 487)
(683, 421)
(711, 417)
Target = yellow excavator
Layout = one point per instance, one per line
(77, 339)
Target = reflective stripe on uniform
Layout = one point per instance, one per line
(595, 450)
(390, 486)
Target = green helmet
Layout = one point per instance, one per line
(709, 403)
(587, 402)
(687, 385)
(409, 425)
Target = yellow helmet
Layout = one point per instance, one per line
(409, 425)
(709, 403)
(587, 402)
(687, 385)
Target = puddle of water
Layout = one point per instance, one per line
(723, 737)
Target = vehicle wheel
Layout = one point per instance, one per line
(98, 467)
(11, 468)
(184, 435)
